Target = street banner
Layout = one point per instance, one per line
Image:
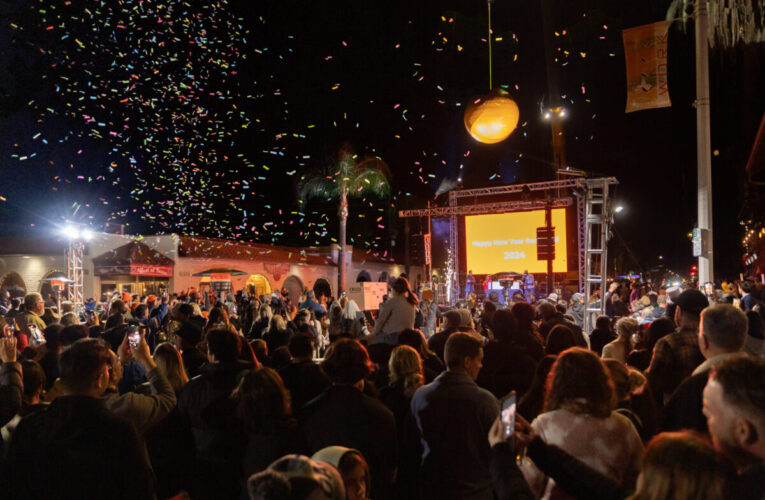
(645, 54)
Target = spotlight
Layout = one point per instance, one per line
(71, 232)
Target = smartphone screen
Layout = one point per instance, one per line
(508, 414)
(134, 336)
(37, 335)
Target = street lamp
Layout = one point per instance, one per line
(618, 209)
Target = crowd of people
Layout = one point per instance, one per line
(237, 396)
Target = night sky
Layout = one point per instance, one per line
(201, 117)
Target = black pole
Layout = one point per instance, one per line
(548, 225)
(406, 247)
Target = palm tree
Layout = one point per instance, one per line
(346, 177)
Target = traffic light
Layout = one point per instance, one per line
(693, 272)
(545, 243)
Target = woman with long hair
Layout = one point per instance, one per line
(170, 443)
(278, 335)
(620, 348)
(354, 322)
(560, 338)
(266, 411)
(396, 314)
(579, 418)
(534, 344)
(217, 318)
(260, 322)
(432, 366)
(170, 362)
(683, 465)
(335, 316)
(406, 376)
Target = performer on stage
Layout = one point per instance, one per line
(527, 282)
(469, 284)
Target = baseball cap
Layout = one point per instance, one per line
(692, 301)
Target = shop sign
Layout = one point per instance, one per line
(151, 270)
(136, 270)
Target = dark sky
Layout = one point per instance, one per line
(386, 79)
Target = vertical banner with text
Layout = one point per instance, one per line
(645, 54)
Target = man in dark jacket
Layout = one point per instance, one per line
(506, 367)
(454, 416)
(438, 341)
(304, 378)
(207, 405)
(722, 333)
(77, 448)
(344, 416)
(677, 355)
(601, 335)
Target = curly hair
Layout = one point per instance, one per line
(581, 383)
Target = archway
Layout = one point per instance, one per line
(363, 277)
(258, 285)
(322, 286)
(294, 287)
(14, 284)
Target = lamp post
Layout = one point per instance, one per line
(703, 144)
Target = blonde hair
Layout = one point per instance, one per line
(170, 362)
(278, 322)
(264, 311)
(682, 465)
(405, 367)
(625, 328)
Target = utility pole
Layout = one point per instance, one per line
(703, 145)
(554, 113)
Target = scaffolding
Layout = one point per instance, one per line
(597, 222)
(74, 273)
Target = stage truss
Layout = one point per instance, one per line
(593, 215)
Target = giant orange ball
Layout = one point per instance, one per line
(491, 118)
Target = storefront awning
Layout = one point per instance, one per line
(220, 274)
(134, 259)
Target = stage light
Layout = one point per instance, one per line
(492, 118)
(86, 234)
(71, 232)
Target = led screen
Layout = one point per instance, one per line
(508, 242)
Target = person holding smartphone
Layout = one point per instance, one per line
(144, 410)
